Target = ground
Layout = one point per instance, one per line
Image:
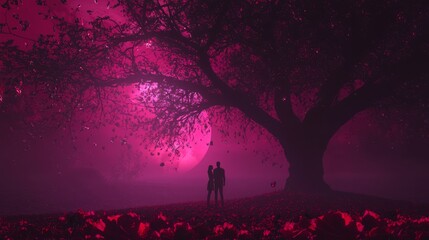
(276, 215)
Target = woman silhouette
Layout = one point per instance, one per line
(210, 184)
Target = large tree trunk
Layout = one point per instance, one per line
(305, 153)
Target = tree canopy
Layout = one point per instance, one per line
(296, 68)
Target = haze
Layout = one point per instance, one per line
(108, 168)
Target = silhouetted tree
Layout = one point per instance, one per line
(299, 69)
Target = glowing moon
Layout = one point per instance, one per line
(191, 157)
(200, 141)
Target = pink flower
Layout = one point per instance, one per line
(100, 225)
(143, 229)
(289, 226)
(266, 232)
(243, 232)
(85, 214)
(114, 218)
(134, 215)
(162, 217)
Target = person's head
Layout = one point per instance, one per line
(210, 167)
(218, 164)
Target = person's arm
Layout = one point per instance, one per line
(224, 177)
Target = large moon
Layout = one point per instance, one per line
(190, 156)
(88, 10)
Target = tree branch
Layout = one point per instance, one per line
(413, 67)
(204, 91)
(241, 101)
(357, 47)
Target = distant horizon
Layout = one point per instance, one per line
(112, 195)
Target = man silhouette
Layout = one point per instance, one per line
(219, 181)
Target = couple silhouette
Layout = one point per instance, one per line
(216, 183)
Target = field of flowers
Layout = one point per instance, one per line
(271, 216)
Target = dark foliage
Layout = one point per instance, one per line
(271, 216)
